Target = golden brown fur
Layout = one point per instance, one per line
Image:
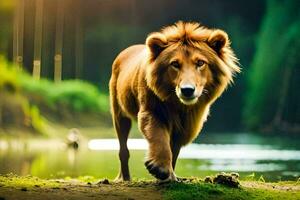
(147, 84)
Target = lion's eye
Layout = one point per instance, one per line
(200, 64)
(175, 64)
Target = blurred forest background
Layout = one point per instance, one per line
(56, 58)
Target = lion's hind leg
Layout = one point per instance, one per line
(122, 126)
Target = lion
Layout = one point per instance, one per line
(168, 85)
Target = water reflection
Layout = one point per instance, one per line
(113, 144)
(242, 166)
(208, 151)
(52, 158)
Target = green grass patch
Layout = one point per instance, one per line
(26, 182)
(199, 190)
(203, 191)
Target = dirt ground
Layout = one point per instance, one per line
(13, 187)
(82, 191)
(287, 186)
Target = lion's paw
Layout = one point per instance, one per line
(159, 172)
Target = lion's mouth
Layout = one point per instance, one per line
(188, 101)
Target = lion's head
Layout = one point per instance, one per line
(191, 62)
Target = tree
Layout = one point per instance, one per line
(275, 60)
(38, 39)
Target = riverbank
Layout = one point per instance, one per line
(15, 187)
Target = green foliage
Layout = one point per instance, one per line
(33, 117)
(80, 96)
(8, 74)
(12, 101)
(34, 97)
(74, 95)
(276, 46)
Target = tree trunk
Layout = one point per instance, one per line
(283, 95)
(18, 33)
(78, 41)
(38, 39)
(59, 41)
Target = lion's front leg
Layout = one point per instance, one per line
(159, 161)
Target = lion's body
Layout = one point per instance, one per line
(142, 88)
(130, 91)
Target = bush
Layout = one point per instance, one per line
(38, 98)
(8, 76)
(74, 95)
(15, 109)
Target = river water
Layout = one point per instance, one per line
(255, 157)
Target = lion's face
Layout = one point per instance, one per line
(192, 66)
(183, 71)
(189, 72)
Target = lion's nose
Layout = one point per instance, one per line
(187, 90)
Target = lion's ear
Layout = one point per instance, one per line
(217, 40)
(156, 42)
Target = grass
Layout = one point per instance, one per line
(192, 189)
(28, 182)
(248, 190)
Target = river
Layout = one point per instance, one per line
(268, 158)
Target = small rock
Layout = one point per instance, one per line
(208, 179)
(181, 179)
(73, 138)
(104, 181)
(235, 174)
(226, 179)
